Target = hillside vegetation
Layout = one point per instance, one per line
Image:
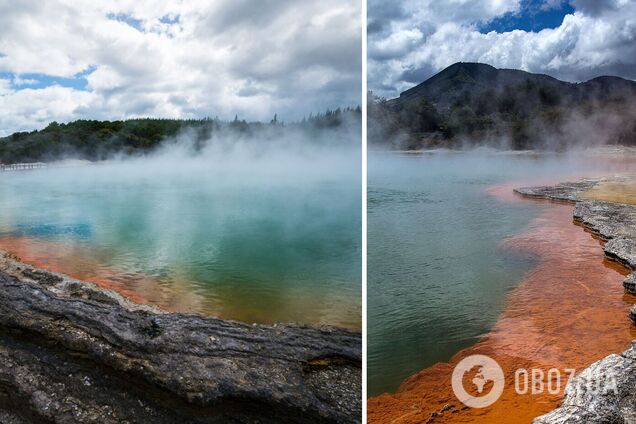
(98, 140)
(470, 104)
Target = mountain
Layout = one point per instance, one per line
(474, 103)
(473, 79)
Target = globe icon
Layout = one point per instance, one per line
(480, 380)
(487, 370)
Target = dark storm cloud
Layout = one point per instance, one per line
(244, 13)
(595, 7)
(381, 13)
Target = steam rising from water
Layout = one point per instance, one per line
(592, 125)
(259, 229)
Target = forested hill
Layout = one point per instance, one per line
(97, 140)
(471, 104)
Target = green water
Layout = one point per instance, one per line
(437, 276)
(260, 238)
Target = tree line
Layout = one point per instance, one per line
(99, 140)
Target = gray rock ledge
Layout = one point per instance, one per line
(71, 352)
(605, 392)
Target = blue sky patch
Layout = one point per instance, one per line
(127, 19)
(36, 80)
(170, 20)
(534, 16)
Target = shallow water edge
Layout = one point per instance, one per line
(89, 346)
(569, 311)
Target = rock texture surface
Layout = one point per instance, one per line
(604, 392)
(71, 352)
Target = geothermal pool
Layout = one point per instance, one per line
(257, 238)
(439, 270)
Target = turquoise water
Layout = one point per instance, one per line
(268, 238)
(437, 278)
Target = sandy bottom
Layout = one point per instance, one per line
(180, 294)
(568, 312)
(79, 264)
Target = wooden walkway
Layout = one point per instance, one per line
(23, 166)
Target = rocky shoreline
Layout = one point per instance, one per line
(71, 352)
(603, 392)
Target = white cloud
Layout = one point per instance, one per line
(5, 86)
(598, 39)
(31, 108)
(181, 58)
(24, 81)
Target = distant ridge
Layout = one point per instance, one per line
(475, 103)
(444, 87)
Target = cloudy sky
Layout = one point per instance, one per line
(65, 59)
(410, 40)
